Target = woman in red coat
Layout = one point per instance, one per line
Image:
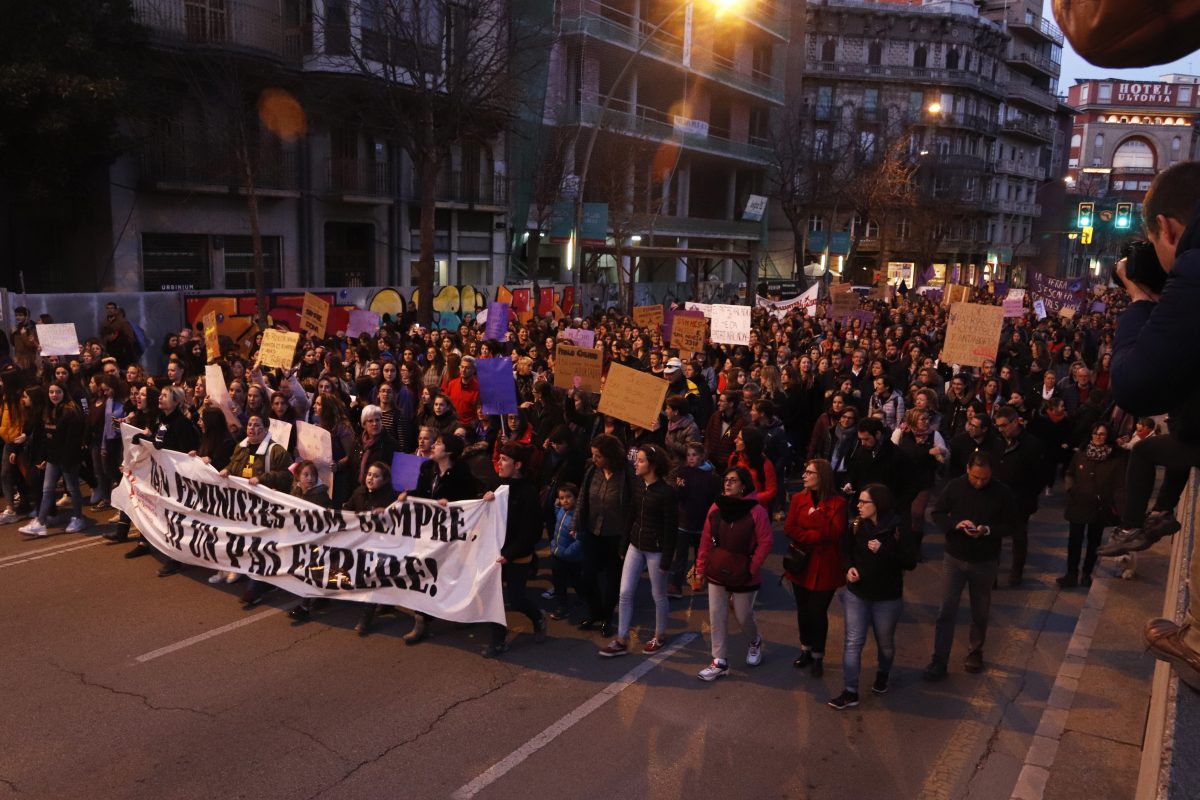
(816, 521)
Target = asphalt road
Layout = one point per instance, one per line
(120, 684)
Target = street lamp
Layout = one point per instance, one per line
(721, 7)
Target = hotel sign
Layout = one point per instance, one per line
(1145, 93)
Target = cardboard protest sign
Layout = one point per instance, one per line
(1066, 312)
(212, 339)
(497, 321)
(313, 443)
(730, 324)
(441, 560)
(972, 334)
(688, 333)
(956, 294)
(362, 322)
(579, 336)
(844, 301)
(571, 362)
(648, 316)
(703, 308)
(281, 431)
(58, 339)
(406, 470)
(633, 396)
(278, 349)
(314, 316)
(497, 386)
(1014, 303)
(218, 393)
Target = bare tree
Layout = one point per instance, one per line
(439, 75)
(880, 189)
(546, 189)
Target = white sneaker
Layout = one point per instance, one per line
(217, 577)
(548, 594)
(78, 524)
(9, 517)
(233, 577)
(34, 528)
(717, 669)
(754, 653)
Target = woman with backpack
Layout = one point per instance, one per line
(733, 547)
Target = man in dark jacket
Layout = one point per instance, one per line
(1156, 369)
(975, 512)
(878, 460)
(723, 428)
(977, 437)
(1018, 465)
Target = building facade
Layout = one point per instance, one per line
(971, 92)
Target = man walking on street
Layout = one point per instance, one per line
(1018, 465)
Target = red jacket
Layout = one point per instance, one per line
(820, 530)
(465, 399)
(766, 490)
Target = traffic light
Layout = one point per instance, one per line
(1124, 216)
(1086, 212)
(1086, 238)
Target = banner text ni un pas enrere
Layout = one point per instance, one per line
(416, 554)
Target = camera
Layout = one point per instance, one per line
(1142, 266)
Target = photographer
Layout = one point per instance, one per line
(1152, 374)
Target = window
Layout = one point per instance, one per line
(1175, 144)
(816, 223)
(174, 261)
(820, 143)
(1134, 154)
(875, 53)
(458, 34)
(239, 262)
(1184, 98)
(903, 229)
(829, 50)
(952, 59)
(866, 144)
(1104, 93)
(824, 109)
(872, 229)
(916, 102)
(1098, 142)
(1118, 185)
(1083, 92)
(920, 56)
(1143, 185)
(1076, 141)
(870, 100)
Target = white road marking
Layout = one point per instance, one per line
(233, 626)
(25, 558)
(514, 759)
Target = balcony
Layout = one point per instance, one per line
(970, 122)
(358, 180)
(212, 167)
(1023, 126)
(236, 25)
(1026, 60)
(1015, 207)
(770, 16)
(629, 33)
(650, 123)
(1018, 21)
(465, 188)
(1025, 169)
(955, 161)
(906, 74)
(1042, 98)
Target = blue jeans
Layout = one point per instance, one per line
(50, 482)
(883, 616)
(635, 561)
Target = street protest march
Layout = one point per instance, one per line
(415, 553)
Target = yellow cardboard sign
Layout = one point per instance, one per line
(633, 396)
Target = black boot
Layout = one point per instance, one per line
(141, 549)
(1068, 581)
(818, 665)
(420, 631)
(364, 622)
(121, 534)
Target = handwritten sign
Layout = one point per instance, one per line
(580, 337)
(633, 396)
(58, 339)
(730, 324)
(972, 334)
(362, 322)
(212, 338)
(844, 301)
(1014, 303)
(1039, 308)
(571, 362)
(648, 316)
(314, 316)
(688, 333)
(278, 349)
(218, 394)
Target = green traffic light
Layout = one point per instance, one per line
(1085, 221)
(1123, 222)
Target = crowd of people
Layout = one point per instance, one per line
(852, 435)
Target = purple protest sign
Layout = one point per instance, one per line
(406, 469)
(362, 322)
(497, 322)
(1099, 306)
(672, 313)
(497, 387)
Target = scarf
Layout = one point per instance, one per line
(367, 443)
(1056, 416)
(732, 509)
(844, 440)
(1098, 452)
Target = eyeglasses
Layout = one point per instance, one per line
(862, 502)
(810, 472)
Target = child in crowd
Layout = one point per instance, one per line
(566, 549)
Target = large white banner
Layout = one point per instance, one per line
(730, 324)
(780, 308)
(416, 554)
